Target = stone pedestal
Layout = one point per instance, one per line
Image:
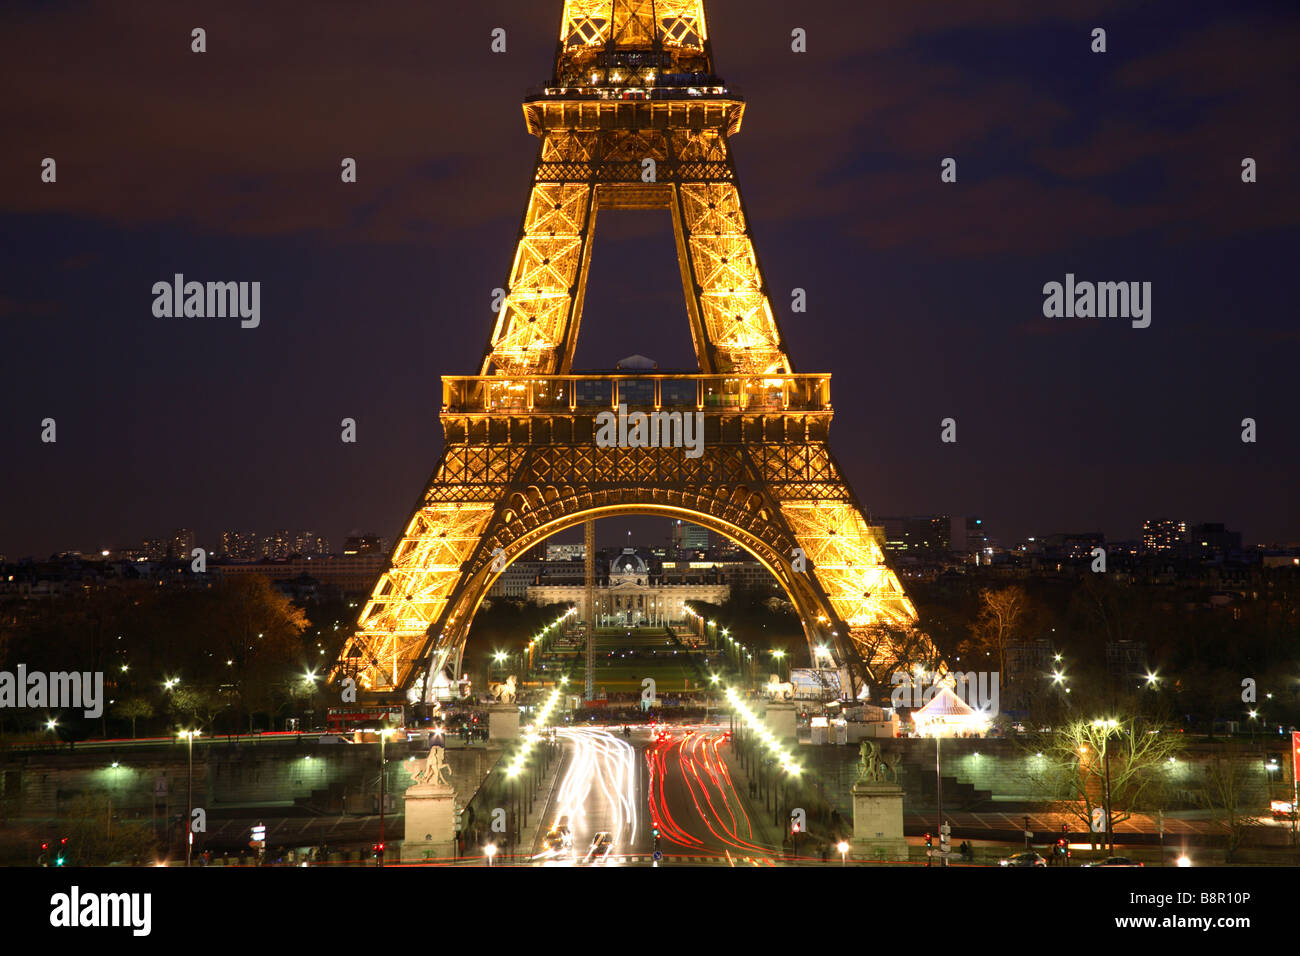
(430, 823)
(503, 722)
(878, 821)
(780, 719)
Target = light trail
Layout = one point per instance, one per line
(718, 805)
(599, 790)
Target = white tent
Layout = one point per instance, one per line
(947, 715)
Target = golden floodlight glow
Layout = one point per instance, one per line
(531, 735)
(762, 732)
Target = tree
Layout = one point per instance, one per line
(1001, 621)
(889, 648)
(197, 704)
(96, 838)
(132, 709)
(1226, 791)
(1119, 767)
(258, 630)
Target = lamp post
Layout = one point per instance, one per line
(938, 781)
(189, 736)
(843, 847)
(1106, 726)
(778, 655)
(383, 738)
(490, 851)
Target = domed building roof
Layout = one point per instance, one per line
(630, 564)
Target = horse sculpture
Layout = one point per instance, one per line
(436, 773)
(503, 692)
(872, 767)
(778, 689)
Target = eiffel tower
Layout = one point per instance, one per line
(633, 117)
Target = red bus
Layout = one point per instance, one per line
(364, 716)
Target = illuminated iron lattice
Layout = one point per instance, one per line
(633, 81)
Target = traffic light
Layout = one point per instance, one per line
(929, 841)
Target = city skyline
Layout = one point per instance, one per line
(613, 533)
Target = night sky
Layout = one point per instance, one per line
(925, 298)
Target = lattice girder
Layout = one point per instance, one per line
(588, 25)
(521, 494)
(634, 81)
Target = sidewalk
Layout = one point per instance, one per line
(539, 819)
(766, 832)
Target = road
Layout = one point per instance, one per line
(700, 811)
(673, 778)
(602, 791)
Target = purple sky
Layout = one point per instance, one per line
(924, 298)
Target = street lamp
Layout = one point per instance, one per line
(189, 736)
(778, 655)
(384, 733)
(843, 847)
(490, 851)
(1106, 725)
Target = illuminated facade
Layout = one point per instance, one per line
(1163, 534)
(634, 117)
(632, 596)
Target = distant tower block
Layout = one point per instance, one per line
(633, 83)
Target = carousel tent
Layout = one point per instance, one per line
(947, 715)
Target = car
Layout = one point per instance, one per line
(601, 844)
(559, 837)
(1114, 861)
(1027, 858)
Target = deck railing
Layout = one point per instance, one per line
(499, 394)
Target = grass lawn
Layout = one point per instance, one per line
(622, 660)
